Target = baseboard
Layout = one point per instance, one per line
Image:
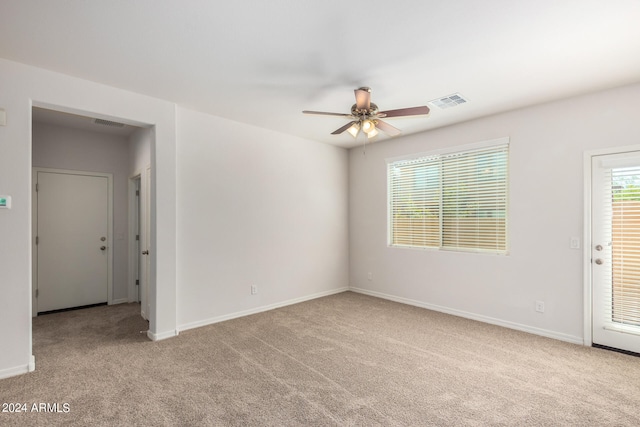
(119, 301)
(261, 309)
(162, 335)
(486, 319)
(15, 371)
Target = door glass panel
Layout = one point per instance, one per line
(625, 240)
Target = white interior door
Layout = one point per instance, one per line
(615, 250)
(72, 240)
(145, 223)
(135, 230)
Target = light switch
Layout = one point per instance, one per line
(5, 202)
(575, 243)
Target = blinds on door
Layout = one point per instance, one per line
(455, 200)
(622, 256)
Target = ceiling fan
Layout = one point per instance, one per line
(366, 117)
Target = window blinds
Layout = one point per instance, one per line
(454, 201)
(622, 225)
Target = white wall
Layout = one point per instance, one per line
(21, 87)
(546, 210)
(256, 208)
(66, 148)
(140, 150)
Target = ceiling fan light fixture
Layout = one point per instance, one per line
(368, 126)
(365, 116)
(354, 130)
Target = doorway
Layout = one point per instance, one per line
(614, 249)
(72, 224)
(73, 142)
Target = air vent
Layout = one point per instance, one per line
(448, 101)
(108, 123)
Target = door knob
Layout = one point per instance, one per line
(599, 261)
(145, 252)
(102, 248)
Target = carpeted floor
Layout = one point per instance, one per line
(346, 359)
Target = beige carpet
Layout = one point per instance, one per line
(346, 359)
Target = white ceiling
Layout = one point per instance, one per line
(264, 62)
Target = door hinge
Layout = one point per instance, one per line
(137, 282)
(137, 237)
(37, 240)
(137, 192)
(37, 187)
(37, 292)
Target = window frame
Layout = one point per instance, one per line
(461, 149)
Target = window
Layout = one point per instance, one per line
(454, 200)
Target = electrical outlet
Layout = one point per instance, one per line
(254, 289)
(370, 276)
(540, 306)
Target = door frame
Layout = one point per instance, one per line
(139, 209)
(587, 237)
(34, 228)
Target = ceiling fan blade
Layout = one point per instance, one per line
(387, 128)
(323, 113)
(413, 111)
(343, 128)
(363, 98)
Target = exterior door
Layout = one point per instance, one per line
(72, 240)
(615, 250)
